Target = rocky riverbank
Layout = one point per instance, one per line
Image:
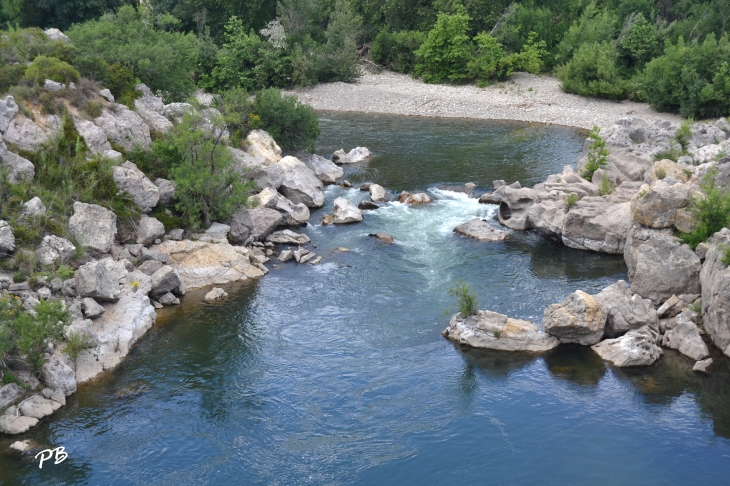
(525, 97)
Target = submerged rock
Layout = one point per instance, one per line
(358, 154)
(635, 348)
(490, 330)
(215, 294)
(480, 230)
(382, 236)
(13, 424)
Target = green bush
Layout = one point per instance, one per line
(692, 79)
(711, 211)
(489, 62)
(597, 154)
(207, 188)
(447, 50)
(77, 342)
(595, 26)
(33, 333)
(24, 45)
(606, 186)
(593, 72)
(466, 298)
(293, 125)
(121, 82)
(639, 44)
(138, 40)
(43, 68)
(396, 50)
(10, 75)
(571, 199)
(530, 58)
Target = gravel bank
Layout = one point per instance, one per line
(525, 97)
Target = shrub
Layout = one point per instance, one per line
(638, 44)
(206, 186)
(10, 75)
(593, 72)
(136, 39)
(597, 154)
(236, 106)
(489, 62)
(77, 342)
(692, 79)
(571, 199)
(43, 68)
(93, 108)
(606, 186)
(530, 58)
(660, 173)
(726, 255)
(293, 125)
(447, 49)
(684, 133)
(24, 45)
(396, 50)
(711, 211)
(466, 299)
(34, 332)
(594, 27)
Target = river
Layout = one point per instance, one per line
(338, 373)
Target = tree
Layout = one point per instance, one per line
(447, 49)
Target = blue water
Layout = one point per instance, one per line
(338, 373)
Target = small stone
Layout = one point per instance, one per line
(44, 293)
(307, 257)
(150, 266)
(341, 249)
(21, 446)
(91, 308)
(286, 255)
(703, 366)
(156, 304)
(316, 261)
(177, 234)
(215, 294)
(346, 184)
(169, 299)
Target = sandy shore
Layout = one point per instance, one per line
(525, 97)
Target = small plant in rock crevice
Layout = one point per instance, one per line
(725, 255)
(597, 155)
(466, 298)
(571, 199)
(606, 188)
(660, 173)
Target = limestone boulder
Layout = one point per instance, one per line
(124, 127)
(665, 168)
(148, 230)
(625, 310)
(665, 267)
(515, 206)
(570, 182)
(480, 230)
(30, 135)
(715, 283)
(358, 154)
(58, 375)
(100, 280)
(94, 137)
(164, 280)
(635, 348)
(9, 393)
(215, 294)
(490, 330)
(548, 216)
(637, 236)
(200, 264)
(345, 212)
(418, 198)
(377, 193)
(115, 333)
(166, 190)
(34, 207)
(54, 249)
(19, 169)
(129, 179)
(241, 226)
(288, 237)
(292, 214)
(656, 206)
(326, 171)
(264, 221)
(38, 407)
(150, 108)
(685, 338)
(176, 111)
(260, 144)
(596, 224)
(91, 308)
(216, 233)
(93, 226)
(7, 239)
(8, 109)
(580, 319)
(12, 424)
(299, 184)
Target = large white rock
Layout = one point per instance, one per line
(300, 184)
(200, 264)
(480, 230)
(490, 330)
(19, 169)
(358, 154)
(635, 348)
(94, 137)
(131, 180)
(8, 109)
(515, 206)
(38, 407)
(148, 230)
(56, 35)
(7, 239)
(345, 212)
(580, 319)
(288, 237)
(9, 393)
(30, 135)
(54, 249)
(596, 224)
(260, 144)
(656, 205)
(124, 127)
(100, 280)
(625, 310)
(150, 108)
(715, 280)
(12, 424)
(58, 375)
(377, 193)
(685, 337)
(93, 226)
(326, 170)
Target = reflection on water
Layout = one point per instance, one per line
(338, 373)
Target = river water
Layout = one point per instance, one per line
(338, 373)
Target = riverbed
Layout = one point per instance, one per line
(338, 373)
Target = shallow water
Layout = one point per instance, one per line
(338, 374)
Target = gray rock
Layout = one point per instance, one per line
(69, 287)
(480, 230)
(490, 330)
(8, 109)
(94, 136)
(7, 239)
(55, 395)
(624, 310)
(597, 225)
(263, 221)
(325, 170)
(580, 319)
(124, 127)
(107, 95)
(292, 214)
(635, 348)
(150, 266)
(100, 280)
(685, 337)
(547, 216)
(38, 407)
(715, 280)
(165, 280)
(58, 375)
(286, 255)
(177, 234)
(216, 233)
(150, 108)
(570, 182)
(382, 236)
(358, 154)
(54, 249)
(664, 267)
(288, 237)
(34, 207)
(168, 299)
(215, 294)
(637, 236)
(656, 205)
(93, 226)
(19, 169)
(148, 230)
(51, 85)
(241, 224)
(261, 144)
(703, 366)
(56, 35)
(131, 180)
(29, 135)
(377, 193)
(150, 254)
(11, 424)
(9, 393)
(673, 306)
(345, 212)
(44, 293)
(514, 208)
(367, 205)
(300, 184)
(166, 190)
(91, 308)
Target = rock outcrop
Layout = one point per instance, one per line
(715, 280)
(131, 180)
(490, 330)
(685, 337)
(515, 205)
(100, 280)
(635, 348)
(480, 230)
(580, 319)
(124, 127)
(54, 249)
